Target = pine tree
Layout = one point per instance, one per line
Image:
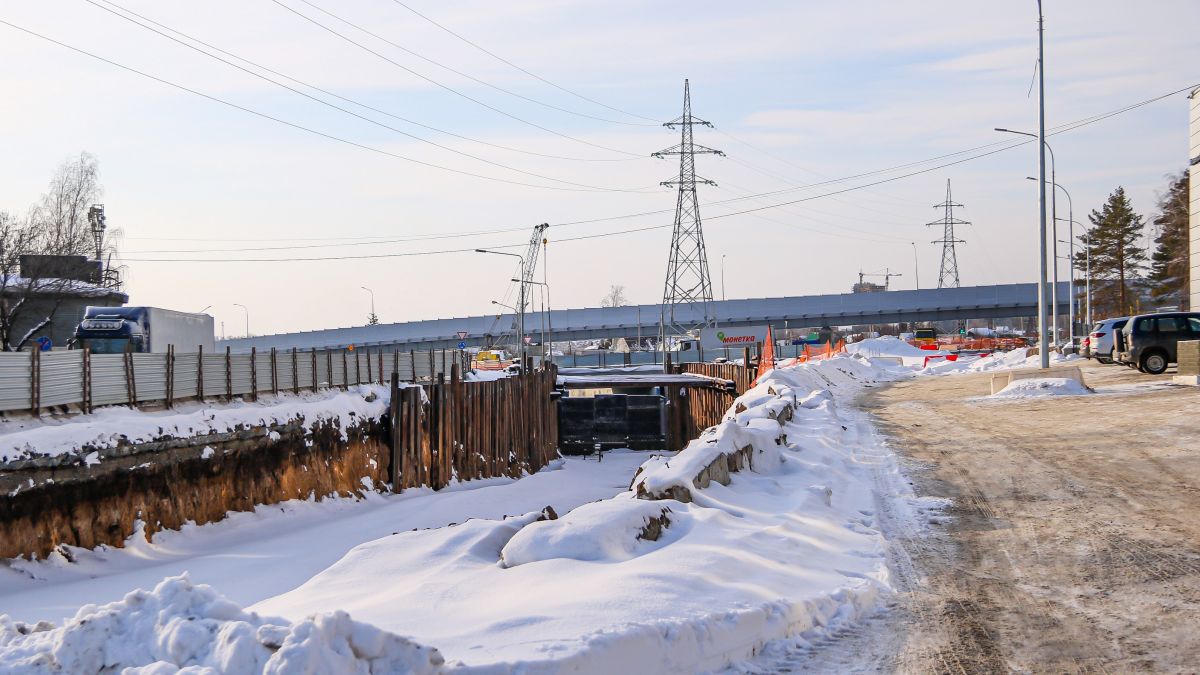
(1117, 258)
(1169, 263)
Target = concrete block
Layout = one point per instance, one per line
(1189, 357)
(1002, 380)
(1192, 380)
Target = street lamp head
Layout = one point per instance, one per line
(1001, 129)
(482, 250)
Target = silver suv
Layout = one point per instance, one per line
(1102, 340)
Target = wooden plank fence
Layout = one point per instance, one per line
(691, 410)
(467, 430)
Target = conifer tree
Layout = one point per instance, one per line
(1169, 263)
(1117, 257)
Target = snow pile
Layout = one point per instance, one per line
(1010, 360)
(1037, 387)
(754, 432)
(609, 530)
(789, 548)
(891, 346)
(109, 427)
(182, 625)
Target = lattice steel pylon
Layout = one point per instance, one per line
(687, 294)
(948, 274)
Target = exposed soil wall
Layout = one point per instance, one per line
(168, 483)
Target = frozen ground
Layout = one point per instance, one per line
(252, 556)
(792, 549)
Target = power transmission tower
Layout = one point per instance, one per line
(948, 274)
(687, 294)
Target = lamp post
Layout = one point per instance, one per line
(916, 267)
(1071, 236)
(722, 277)
(247, 317)
(1043, 318)
(521, 301)
(372, 320)
(545, 316)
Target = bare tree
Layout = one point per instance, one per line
(57, 225)
(615, 297)
(60, 217)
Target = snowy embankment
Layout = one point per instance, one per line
(789, 546)
(109, 427)
(634, 585)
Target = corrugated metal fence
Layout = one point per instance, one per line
(34, 381)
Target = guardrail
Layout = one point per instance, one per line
(79, 380)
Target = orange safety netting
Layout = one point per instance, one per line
(818, 354)
(980, 344)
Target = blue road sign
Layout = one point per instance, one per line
(44, 344)
(462, 345)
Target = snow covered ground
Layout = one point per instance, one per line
(21, 438)
(790, 548)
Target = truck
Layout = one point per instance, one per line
(114, 330)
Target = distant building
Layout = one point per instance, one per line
(58, 287)
(1194, 196)
(867, 287)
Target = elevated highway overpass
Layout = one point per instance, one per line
(1003, 301)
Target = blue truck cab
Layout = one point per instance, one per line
(113, 330)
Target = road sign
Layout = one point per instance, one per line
(462, 335)
(528, 340)
(462, 345)
(44, 344)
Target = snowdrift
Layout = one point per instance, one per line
(640, 585)
(182, 625)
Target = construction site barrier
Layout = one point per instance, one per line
(79, 380)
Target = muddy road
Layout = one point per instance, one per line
(1072, 544)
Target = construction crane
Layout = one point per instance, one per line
(887, 275)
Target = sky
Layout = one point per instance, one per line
(805, 98)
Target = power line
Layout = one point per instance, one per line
(523, 70)
(444, 86)
(344, 110)
(284, 122)
(1063, 128)
(360, 103)
(485, 83)
(1070, 126)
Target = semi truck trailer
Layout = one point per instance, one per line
(113, 330)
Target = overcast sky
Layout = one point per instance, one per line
(799, 92)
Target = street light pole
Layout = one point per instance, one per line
(1071, 235)
(722, 277)
(520, 301)
(373, 317)
(247, 317)
(1043, 322)
(916, 267)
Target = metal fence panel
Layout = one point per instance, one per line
(185, 376)
(61, 378)
(240, 365)
(214, 375)
(262, 369)
(14, 380)
(304, 370)
(108, 380)
(150, 376)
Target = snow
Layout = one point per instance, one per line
(108, 427)
(891, 346)
(791, 546)
(787, 548)
(180, 624)
(1037, 387)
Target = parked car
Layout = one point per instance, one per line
(1151, 340)
(1102, 341)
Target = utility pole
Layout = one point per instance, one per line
(916, 268)
(687, 293)
(1043, 338)
(948, 273)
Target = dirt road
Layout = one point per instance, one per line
(1073, 541)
